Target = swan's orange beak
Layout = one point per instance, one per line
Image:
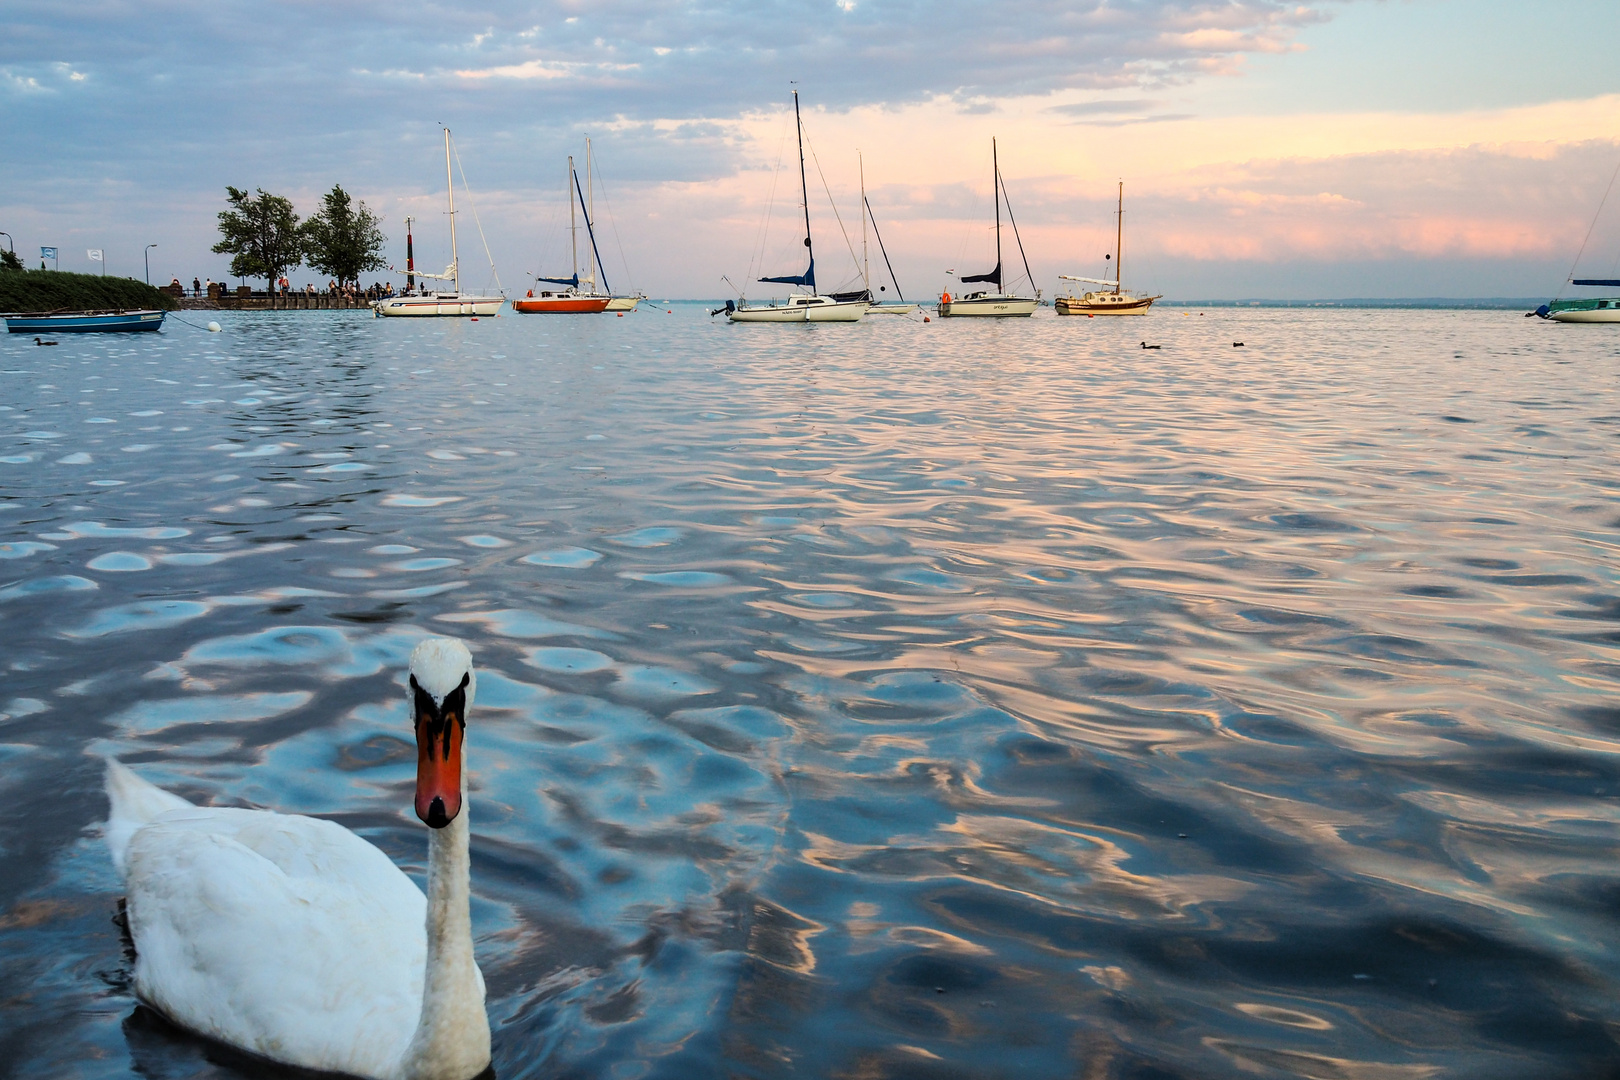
(439, 733)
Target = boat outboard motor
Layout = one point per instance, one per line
(1543, 311)
(728, 309)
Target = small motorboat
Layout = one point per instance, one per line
(83, 322)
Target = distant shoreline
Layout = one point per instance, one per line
(1430, 303)
(1427, 303)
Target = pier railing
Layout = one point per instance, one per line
(243, 299)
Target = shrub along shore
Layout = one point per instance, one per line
(54, 290)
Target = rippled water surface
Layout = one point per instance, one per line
(888, 700)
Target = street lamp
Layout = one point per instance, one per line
(9, 245)
(146, 255)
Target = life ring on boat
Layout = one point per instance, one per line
(944, 297)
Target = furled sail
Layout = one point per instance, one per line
(807, 278)
(993, 277)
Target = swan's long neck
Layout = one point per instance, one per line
(452, 1037)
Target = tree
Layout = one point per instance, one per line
(343, 240)
(260, 234)
(9, 261)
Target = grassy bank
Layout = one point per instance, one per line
(51, 290)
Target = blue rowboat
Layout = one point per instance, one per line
(85, 322)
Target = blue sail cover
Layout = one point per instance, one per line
(1606, 282)
(574, 281)
(806, 278)
(993, 277)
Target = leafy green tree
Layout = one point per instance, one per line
(9, 261)
(261, 235)
(343, 239)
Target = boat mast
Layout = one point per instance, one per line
(1119, 238)
(410, 260)
(995, 193)
(590, 216)
(804, 189)
(450, 187)
(573, 230)
(866, 268)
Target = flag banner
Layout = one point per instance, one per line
(47, 253)
(95, 255)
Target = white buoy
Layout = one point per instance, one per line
(213, 328)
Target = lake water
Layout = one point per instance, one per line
(890, 700)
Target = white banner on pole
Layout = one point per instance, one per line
(95, 255)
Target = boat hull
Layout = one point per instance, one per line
(993, 307)
(1610, 316)
(891, 309)
(120, 322)
(1606, 310)
(802, 309)
(437, 306)
(1103, 304)
(623, 303)
(561, 305)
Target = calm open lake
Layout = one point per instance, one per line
(970, 699)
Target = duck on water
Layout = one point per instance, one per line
(294, 939)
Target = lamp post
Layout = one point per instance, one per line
(9, 245)
(146, 255)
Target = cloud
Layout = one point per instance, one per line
(127, 119)
(1106, 107)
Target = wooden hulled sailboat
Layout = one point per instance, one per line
(997, 304)
(1115, 301)
(442, 303)
(809, 306)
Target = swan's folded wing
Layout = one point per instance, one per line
(284, 936)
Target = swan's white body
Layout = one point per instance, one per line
(292, 938)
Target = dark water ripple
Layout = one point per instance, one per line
(879, 701)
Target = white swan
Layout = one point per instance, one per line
(293, 938)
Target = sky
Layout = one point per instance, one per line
(1300, 150)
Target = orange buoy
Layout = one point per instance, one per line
(620, 314)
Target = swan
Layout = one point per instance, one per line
(294, 939)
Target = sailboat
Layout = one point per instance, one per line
(569, 300)
(442, 303)
(593, 258)
(800, 307)
(985, 303)
(1586, 309)
(1117, 301)
(878, 307)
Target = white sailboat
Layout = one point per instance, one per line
(1118, 301)
(441, 303)
(1586, 309)
(593, 258)
(998, 304)
(800, 307)
(878, 307)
